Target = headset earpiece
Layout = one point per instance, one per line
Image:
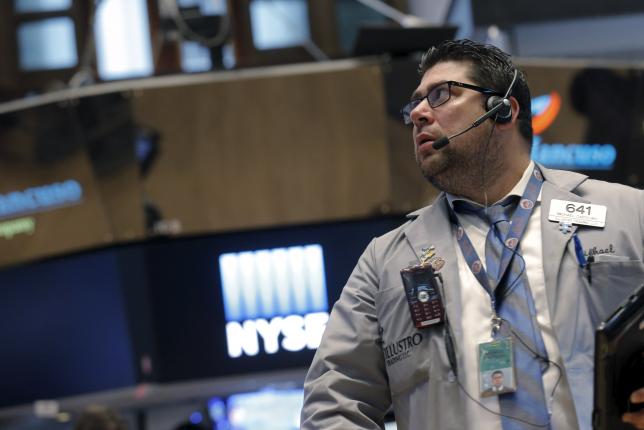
(504, 114)
(497, 108)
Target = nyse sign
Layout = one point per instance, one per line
(274, 299)
(296, 333)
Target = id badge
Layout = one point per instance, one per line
(496, 367)
(423, 295)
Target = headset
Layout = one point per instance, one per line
(504, 114)
(498, 107)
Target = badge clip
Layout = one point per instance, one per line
(565, 227)
(496, 324)
(429, 257)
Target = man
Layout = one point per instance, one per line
(517, 289)
(496, 386)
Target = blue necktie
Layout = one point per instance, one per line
(515, 305)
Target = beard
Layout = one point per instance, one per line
(465, 167)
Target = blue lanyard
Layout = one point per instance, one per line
(518, 225)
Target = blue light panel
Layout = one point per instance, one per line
(279, 23)
(195, 57)
(123, 46)
(30, 6)
(206, 7)
(266, 410)
(47, 44)
(272, 282)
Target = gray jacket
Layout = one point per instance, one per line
(356, 376)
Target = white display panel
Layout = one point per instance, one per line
(34, 6)
(279, 23)
(47, 44)
(123, 47)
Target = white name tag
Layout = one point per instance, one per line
(577, 213)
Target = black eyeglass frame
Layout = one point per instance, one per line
(405, 111)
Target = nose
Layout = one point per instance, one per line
(422, 114)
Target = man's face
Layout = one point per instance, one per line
(497, 379)
(458, 164)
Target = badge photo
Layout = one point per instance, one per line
(496, 367)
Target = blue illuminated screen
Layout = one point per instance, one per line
(279, 23)
(206, 7)
(47, 44)
(260, 410)
(29, 6)
(123, 44)
(195, 57)
(69, 332)
(271, 282)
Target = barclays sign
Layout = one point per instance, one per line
(274, 299)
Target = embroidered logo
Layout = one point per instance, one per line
(401, 349)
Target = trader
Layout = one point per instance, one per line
(498, 273)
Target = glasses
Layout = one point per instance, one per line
(440, 94)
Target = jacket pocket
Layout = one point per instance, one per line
(612, 258)
(407, 366)
(407, 350)
(613, 280)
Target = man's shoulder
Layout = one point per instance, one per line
(590, 188)
(610, 193)
(418, 215)
(595, 185)
(394, 237)
(425, 210)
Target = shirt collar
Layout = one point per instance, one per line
(517, 190)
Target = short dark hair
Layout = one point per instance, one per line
(497, 372)
(491, 68)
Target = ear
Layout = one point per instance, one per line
(515, 114)
(504, 114)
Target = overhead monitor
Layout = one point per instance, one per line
(123, 45)
(247, 302)
(265, 410)
(377, 39)
(47, 44)
(279, 23)
(504, 13)
(66, 330)
(35, 6)
(206, 7)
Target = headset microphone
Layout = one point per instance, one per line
(443, 141)
(494, 105)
